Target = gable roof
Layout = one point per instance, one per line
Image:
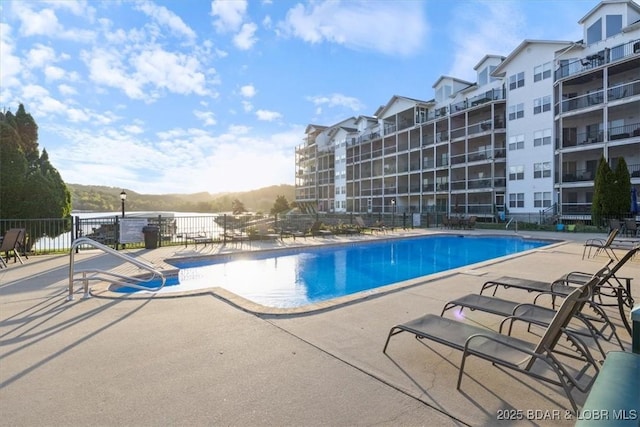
(629, 3)
(500, 70)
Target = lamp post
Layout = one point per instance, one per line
(123, 197)
(393, 213)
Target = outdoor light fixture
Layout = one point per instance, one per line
(123, 197)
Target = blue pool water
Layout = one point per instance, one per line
(302, 276)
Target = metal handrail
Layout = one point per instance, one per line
(509, 223)
(95, 274)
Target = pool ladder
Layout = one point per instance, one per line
(96, 274)
(509, 223)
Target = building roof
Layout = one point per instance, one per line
(488, 56)
(500, 70)
(394, 98)
(629, 3)
(451, 78)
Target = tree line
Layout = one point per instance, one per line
(94, 198)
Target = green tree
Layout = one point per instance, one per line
(30, 187)
(601, 192)
(237, 207)
(280, 205)
(621, 191)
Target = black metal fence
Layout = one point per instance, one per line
(50, 235)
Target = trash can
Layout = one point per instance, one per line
(151, 233)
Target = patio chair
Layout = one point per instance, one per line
(614, 224)
(601, 245)
(630, 227)
(13, 241)
(318, 230)
(379, 227)
(542, 316)
(511, 352)
(471, 222)
(611, 287)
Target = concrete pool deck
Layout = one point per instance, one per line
(199, 360)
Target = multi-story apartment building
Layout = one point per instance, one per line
(525, 137)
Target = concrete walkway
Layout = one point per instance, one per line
(199, 360)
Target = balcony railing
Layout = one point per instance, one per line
(598, 59)
(624, 132)
(580, 102)
(488, 96)
(579, 175)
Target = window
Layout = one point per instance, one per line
(516, 200)
(542, 199)
(516, 142)
(542, 170)
(516, 81)
(516, 173)
(542, 104)
(542, 72)
(614, 25)
(483, 77)
(594, 32)
(516, 111)
(541, 137)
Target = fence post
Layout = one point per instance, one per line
(224, 229)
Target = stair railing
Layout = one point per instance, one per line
(102, 275)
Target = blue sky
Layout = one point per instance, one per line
(190, 96)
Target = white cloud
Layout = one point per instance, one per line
(245, 39)
(40, 55)
(395, 28)
(248, 91)
(53, 73)
(177, 72)
(167, 18)
(499, 31)
(67, 90)
(206, 117)
(106, 67)
(182, 160)
(162, 70)
(337, 100)
(11, 64)
(228, 15)
(268, 116)
(45, 23)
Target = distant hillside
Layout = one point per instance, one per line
(104, 199)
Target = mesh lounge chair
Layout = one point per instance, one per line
(611, 287)
(542, 316)
(360, 223)
(13, 241)
(510, 352)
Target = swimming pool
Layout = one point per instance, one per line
(303, 276)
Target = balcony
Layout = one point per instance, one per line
(579, 175)
(580, 102)
(598, 59)
(488, 96)
(624, 132)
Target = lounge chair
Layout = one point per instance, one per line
(601, 245)
(542, 316)
(318, 230)
(264, 233)
(13, 241)
(612, 287)
(510, 352)
(361, 224)
(471, 222)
